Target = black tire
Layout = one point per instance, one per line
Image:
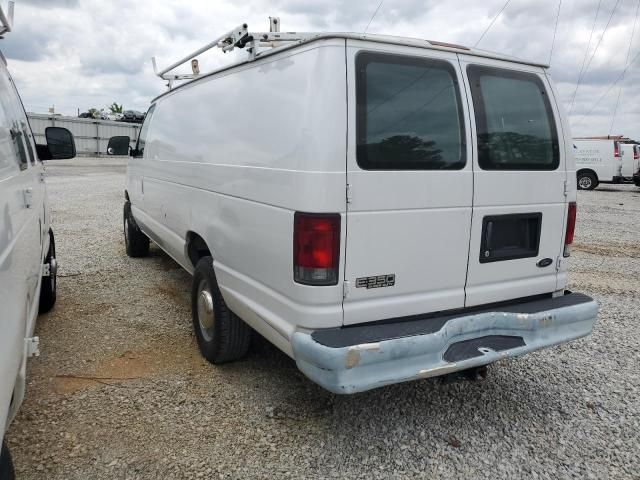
(587, 181)
(222, 337)
(136, 242)
(49, 284)
(6, 464)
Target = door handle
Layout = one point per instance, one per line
(28, 197)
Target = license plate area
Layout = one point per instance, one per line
(510, 237)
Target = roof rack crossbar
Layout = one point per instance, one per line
(6, 21)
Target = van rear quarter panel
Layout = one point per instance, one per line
(231, 157)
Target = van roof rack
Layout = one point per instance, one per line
(239, 37)
(6, 20)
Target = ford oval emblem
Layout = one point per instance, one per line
(545, 262)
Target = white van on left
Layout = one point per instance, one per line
(27, 248)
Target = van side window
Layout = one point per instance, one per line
(8, 164)
(142, 137)
(408, 114)
(514, 119)
(14, 132)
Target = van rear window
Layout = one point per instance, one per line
(514, 120)
(408, 114)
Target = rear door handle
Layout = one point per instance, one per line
(28, 197)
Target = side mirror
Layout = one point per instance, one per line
(118, 145)
(60, 143)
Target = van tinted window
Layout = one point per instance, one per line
(409, 114)
(516, 128)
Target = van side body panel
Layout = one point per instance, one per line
(223, 161)
(24, 239)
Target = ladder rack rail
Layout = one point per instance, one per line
(6, 20)
(239, 37)
(238, 32)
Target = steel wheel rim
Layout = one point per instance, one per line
(206, 313)
(585, 182)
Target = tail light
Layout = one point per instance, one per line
(316, 248)
(635, 153)
(571, 228)
(616, 149)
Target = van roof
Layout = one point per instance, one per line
(427, 44)
(376, 38)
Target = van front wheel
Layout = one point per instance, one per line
(49, 284)
(6, 465)
(136, 242)
(587, 181)
(222, 336)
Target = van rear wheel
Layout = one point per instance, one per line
(6, 464)
(49, 284)
(222, 336)
(587, 181)
(136, 242)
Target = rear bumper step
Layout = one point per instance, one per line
(359, 358)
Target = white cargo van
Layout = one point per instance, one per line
(381, 209)
(27, 249)
(597, 161)
(636, 165)
(629, 153)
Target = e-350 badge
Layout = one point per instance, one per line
(378, 281)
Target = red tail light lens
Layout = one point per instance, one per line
(635, 153)
(616, 149)
(571, 228)
(316, 248)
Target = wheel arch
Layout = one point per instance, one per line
(588, 170)
(196, 248)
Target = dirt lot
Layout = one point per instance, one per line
(120, 390)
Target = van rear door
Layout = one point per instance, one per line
(410, 182)
(519, 199)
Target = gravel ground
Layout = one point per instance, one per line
(120, 390)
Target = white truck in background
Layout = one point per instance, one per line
(27, 249)
(598, 160)
(629, 152)
(636, 165)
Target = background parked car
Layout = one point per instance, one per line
(132, 116)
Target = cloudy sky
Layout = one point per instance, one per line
(88, 53)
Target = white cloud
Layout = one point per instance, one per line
(89, 53)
